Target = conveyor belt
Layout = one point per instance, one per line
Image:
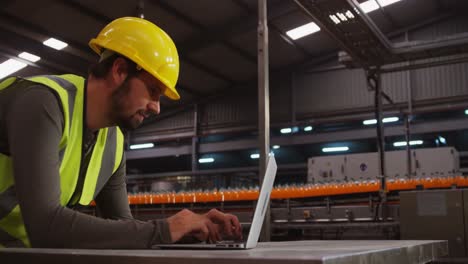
(297, 191)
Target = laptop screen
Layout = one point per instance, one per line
(263, 199)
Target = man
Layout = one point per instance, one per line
(61, 146)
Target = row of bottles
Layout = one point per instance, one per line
(295, 191)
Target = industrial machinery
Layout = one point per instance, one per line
(428, 162)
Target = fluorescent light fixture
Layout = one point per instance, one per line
(372, 5)
(349, 14)
(206, 160)
(387, 2)
(342, 17)
(335, 149)
(308, 128)
(10, 66)
(466, 112)
(303, 31)
(142, 146)
(403, 143)
(255, 156)
(369, 6)
(335, 19)
(416, 142)
(442, 140)
(385, 120)
(399, 144)
(29, 56)
(390, 119)
(55, 43)
(286, 130)
(370, 122)
(276, 147)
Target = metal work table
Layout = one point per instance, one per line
(317, 252)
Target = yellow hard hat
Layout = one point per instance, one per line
(145, 44)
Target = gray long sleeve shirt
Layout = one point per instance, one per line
(31, 124)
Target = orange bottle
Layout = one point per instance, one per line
(281, 192)
(131, 198)
(158, 198)
(459, 181)
(140, 198)
(222, 194)
(274, 193)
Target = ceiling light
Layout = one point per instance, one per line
(399, 144)
(390, 119)
(387, 2)
(303, 31)
(342, 17)
(466, 112)
(55, 43)
(334, 19)
(11, 66)
(276, 147)
(349, 14)
(442, 140)
(29, 56)
(372, 5)
(385, 120)
(142, 146)
(335, 149)
(403, 143)
(308, 128)
(370, 122)
(255, 156)
(369, 6)
(286, 130)
(206, 160)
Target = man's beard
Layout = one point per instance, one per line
(118, 108)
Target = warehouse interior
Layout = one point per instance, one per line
(367, 112)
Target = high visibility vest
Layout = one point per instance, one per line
(105, 160)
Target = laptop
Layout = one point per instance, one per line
(257, 222)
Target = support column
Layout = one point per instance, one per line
(374, 82)
(263, 105)
(195, 139)
(408, 118)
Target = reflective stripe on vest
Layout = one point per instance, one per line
(105, 160)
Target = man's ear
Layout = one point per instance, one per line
(119, 71)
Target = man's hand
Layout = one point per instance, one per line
(228, 224)
(206, 227)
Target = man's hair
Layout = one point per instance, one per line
(102, 68)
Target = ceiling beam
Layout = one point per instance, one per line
(33, 31)
(233, 28)
(274, 28)
(61, 59)
(388, 16)
(82, 9)
(190, 91)
(173, 11)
